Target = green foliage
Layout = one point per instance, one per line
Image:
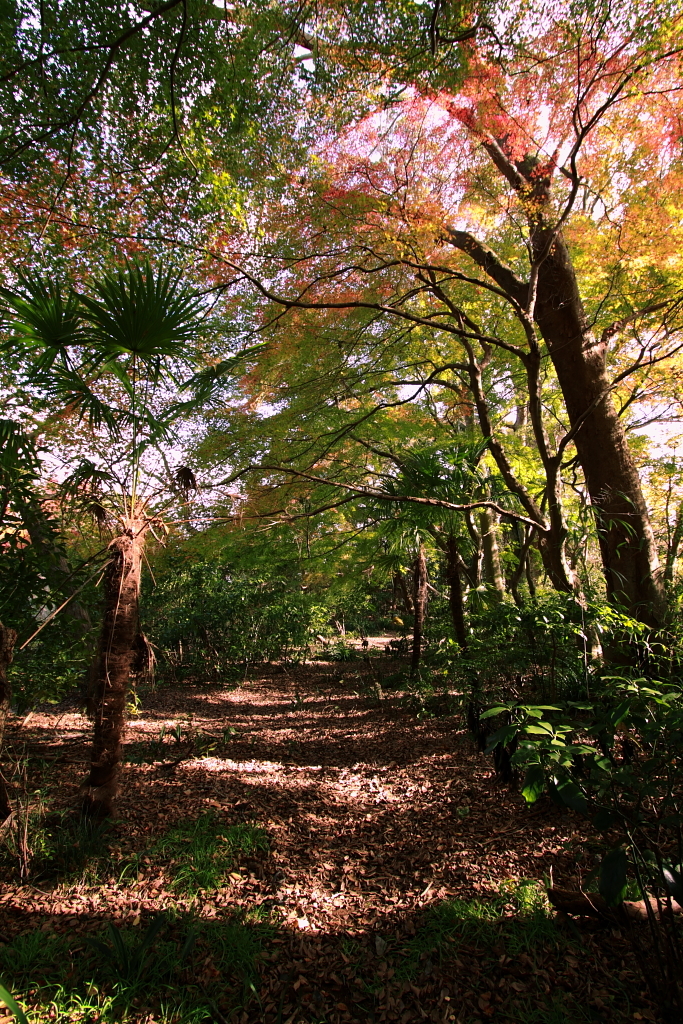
(544, 642)
(142, 312)
(157, 963)
(206, 617)
(12, 1005)
(617, 758)
(54, 665)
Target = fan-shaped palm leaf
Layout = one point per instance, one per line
(142, 312)
(39, 315)
(74, 393)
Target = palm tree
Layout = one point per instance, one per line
(128, 330)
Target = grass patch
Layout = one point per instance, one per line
(178, 970)
(202, 852)
(519, 919)
(57, 846)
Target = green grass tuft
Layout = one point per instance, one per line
(124, 973)
(206, 849)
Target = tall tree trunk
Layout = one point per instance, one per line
(627, 543)
(455, 601)
(673, 546)
(522, 552)
(552, 297)
(492, 570)
(116, 653)
(419, 606)
(8, 639)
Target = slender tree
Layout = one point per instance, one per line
(127, 331)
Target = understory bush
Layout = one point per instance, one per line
(616, 758)
(205, 618)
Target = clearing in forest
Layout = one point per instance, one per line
(298, 849)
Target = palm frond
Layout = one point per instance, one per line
(39, 315)
(86, 476)
(142, 312)
(75, 395)
(204, 383)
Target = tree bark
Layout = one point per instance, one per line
(627, 543)
(400, 580)
(116, 653)
(455, 592)
(419, 607)
(673, 546)
(8, 639)
(492, 570)
(583, 904)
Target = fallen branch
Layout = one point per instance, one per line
(590, 904)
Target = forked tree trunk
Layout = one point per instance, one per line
(8, 639)
(627, 544)
(115, 656)
(419, 606)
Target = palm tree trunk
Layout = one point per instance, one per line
(7, 640)
(419, 606)
(115, 656)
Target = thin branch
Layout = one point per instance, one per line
(367, 492)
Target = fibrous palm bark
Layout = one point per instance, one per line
(115, 656)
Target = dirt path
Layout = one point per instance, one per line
(374, 816)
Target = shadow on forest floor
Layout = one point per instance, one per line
(296, 851)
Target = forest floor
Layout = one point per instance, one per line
(298, 849)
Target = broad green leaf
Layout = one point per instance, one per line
(572, 796)
(504, 735)
(534, 783)
(491, 712)
(620, 713)
(541, 729)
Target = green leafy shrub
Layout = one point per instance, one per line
(618, 760)
(205, 618)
